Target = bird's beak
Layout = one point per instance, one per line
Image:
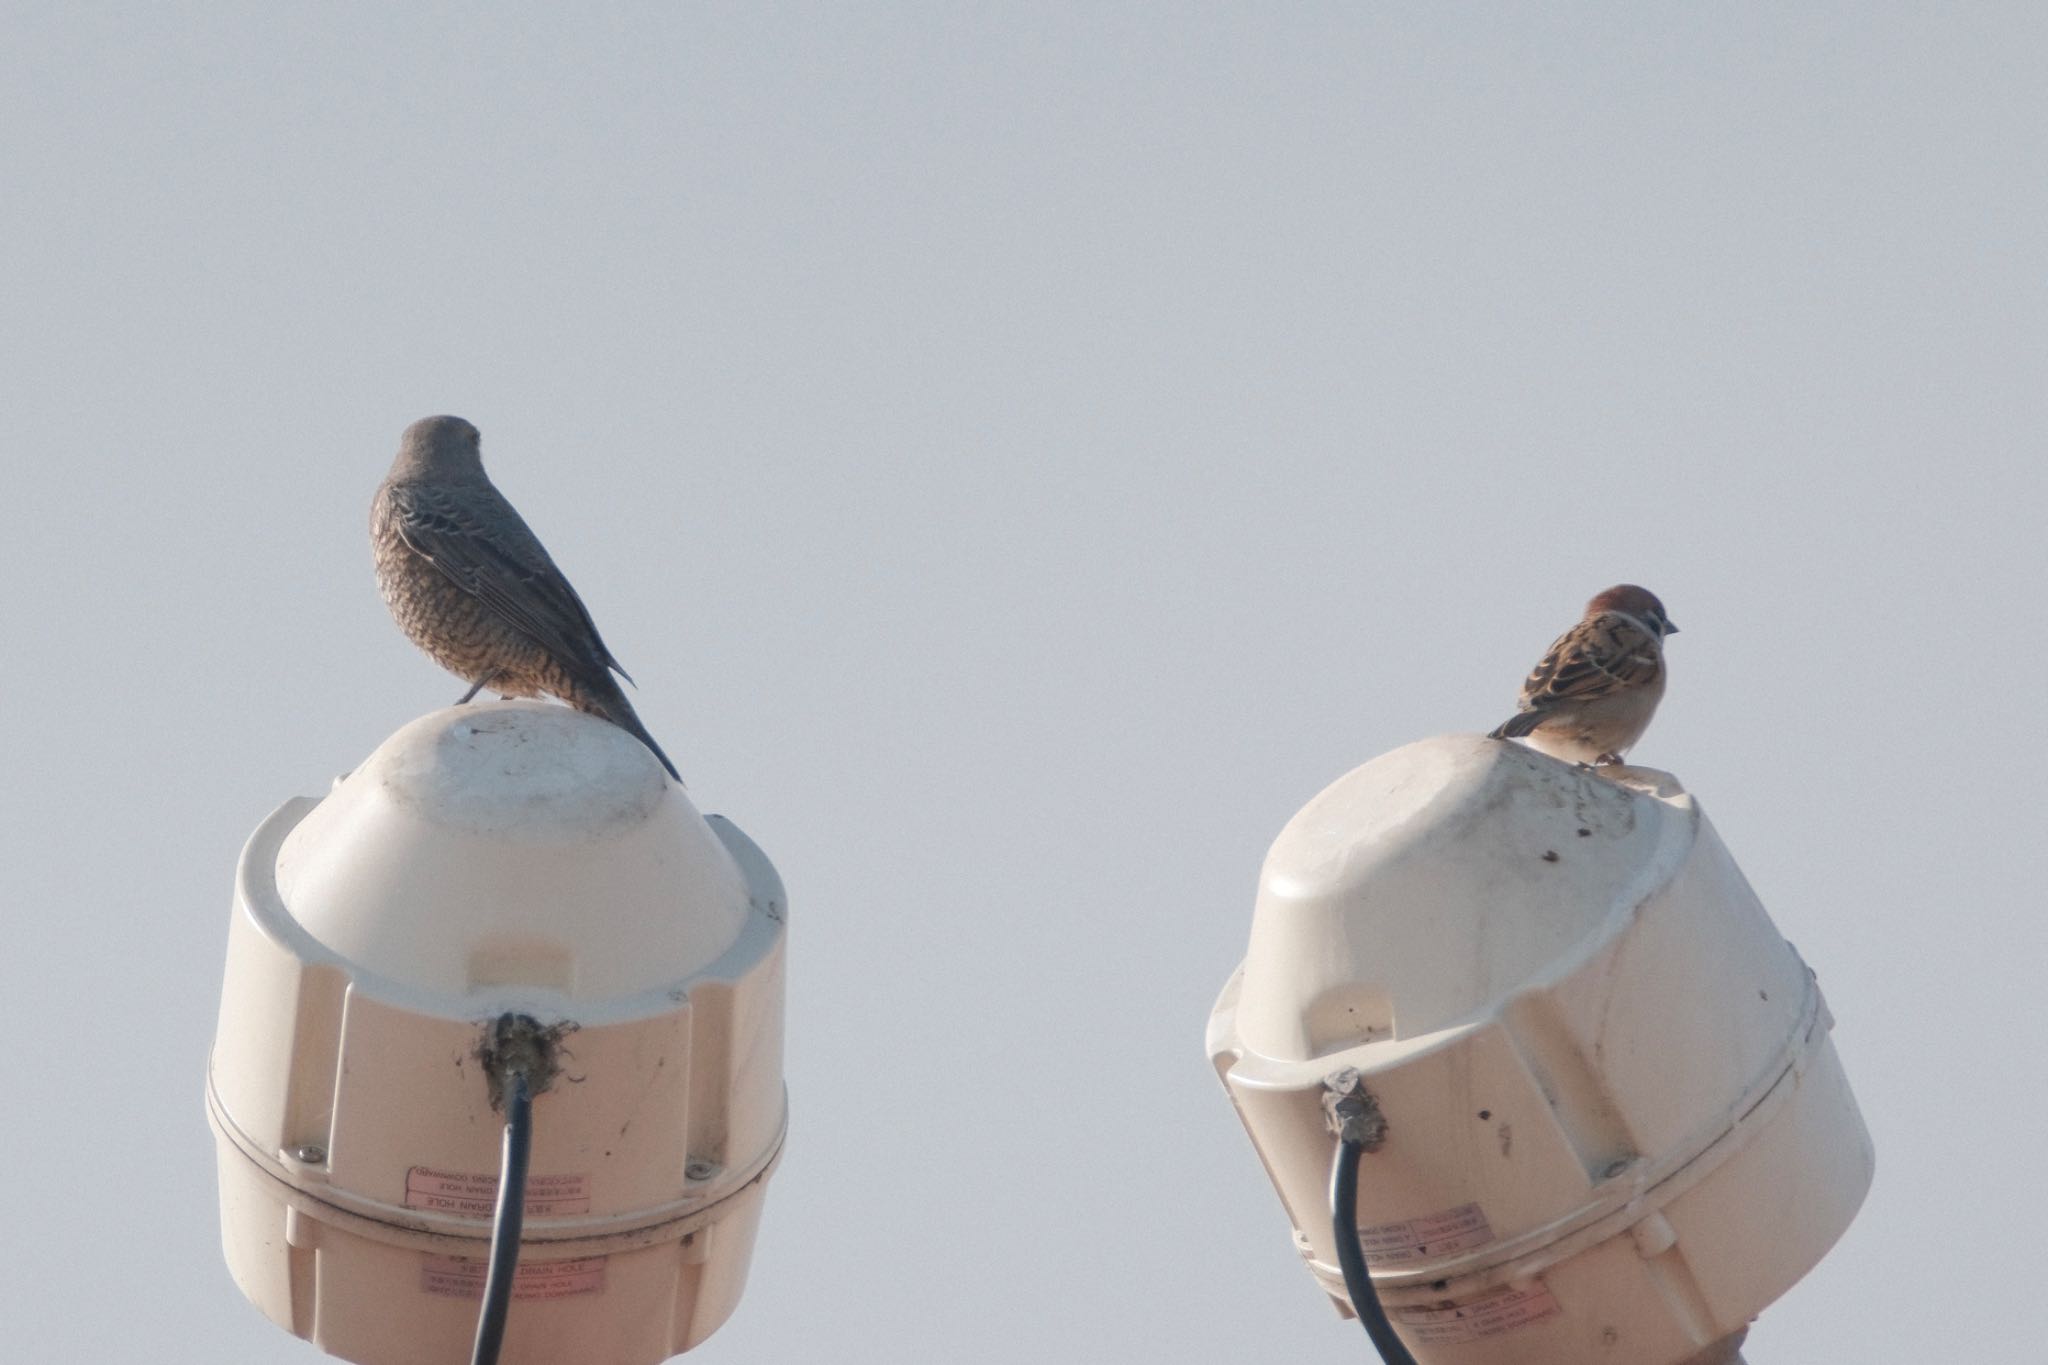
(1670, 629)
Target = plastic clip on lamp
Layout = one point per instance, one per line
(1615, 1125)
(515, 863)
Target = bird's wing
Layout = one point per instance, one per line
(479, 543)
(1600, 656)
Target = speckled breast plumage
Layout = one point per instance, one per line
(458, 630)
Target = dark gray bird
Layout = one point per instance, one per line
(475, 589)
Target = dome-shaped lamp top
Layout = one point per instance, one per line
(1400, 900)
(512, 845)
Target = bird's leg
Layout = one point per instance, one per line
(1607, 760)
(479, 685)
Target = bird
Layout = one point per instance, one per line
(473, 587)
(1591, 696)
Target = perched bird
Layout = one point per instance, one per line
(1592, 696)
(474, 588)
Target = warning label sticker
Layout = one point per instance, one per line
(456, 1277)
(1489, 1315)
(547, 1196)
(1429, 1237)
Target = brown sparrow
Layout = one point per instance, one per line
(1594, 692)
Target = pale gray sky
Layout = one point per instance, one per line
(1024, 452)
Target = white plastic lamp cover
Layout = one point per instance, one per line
(488, 859)
(1617, 1125)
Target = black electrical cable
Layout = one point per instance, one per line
(507, 1222)
(1365, 1300)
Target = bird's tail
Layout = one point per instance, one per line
(1514, 727)
(610, 703)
